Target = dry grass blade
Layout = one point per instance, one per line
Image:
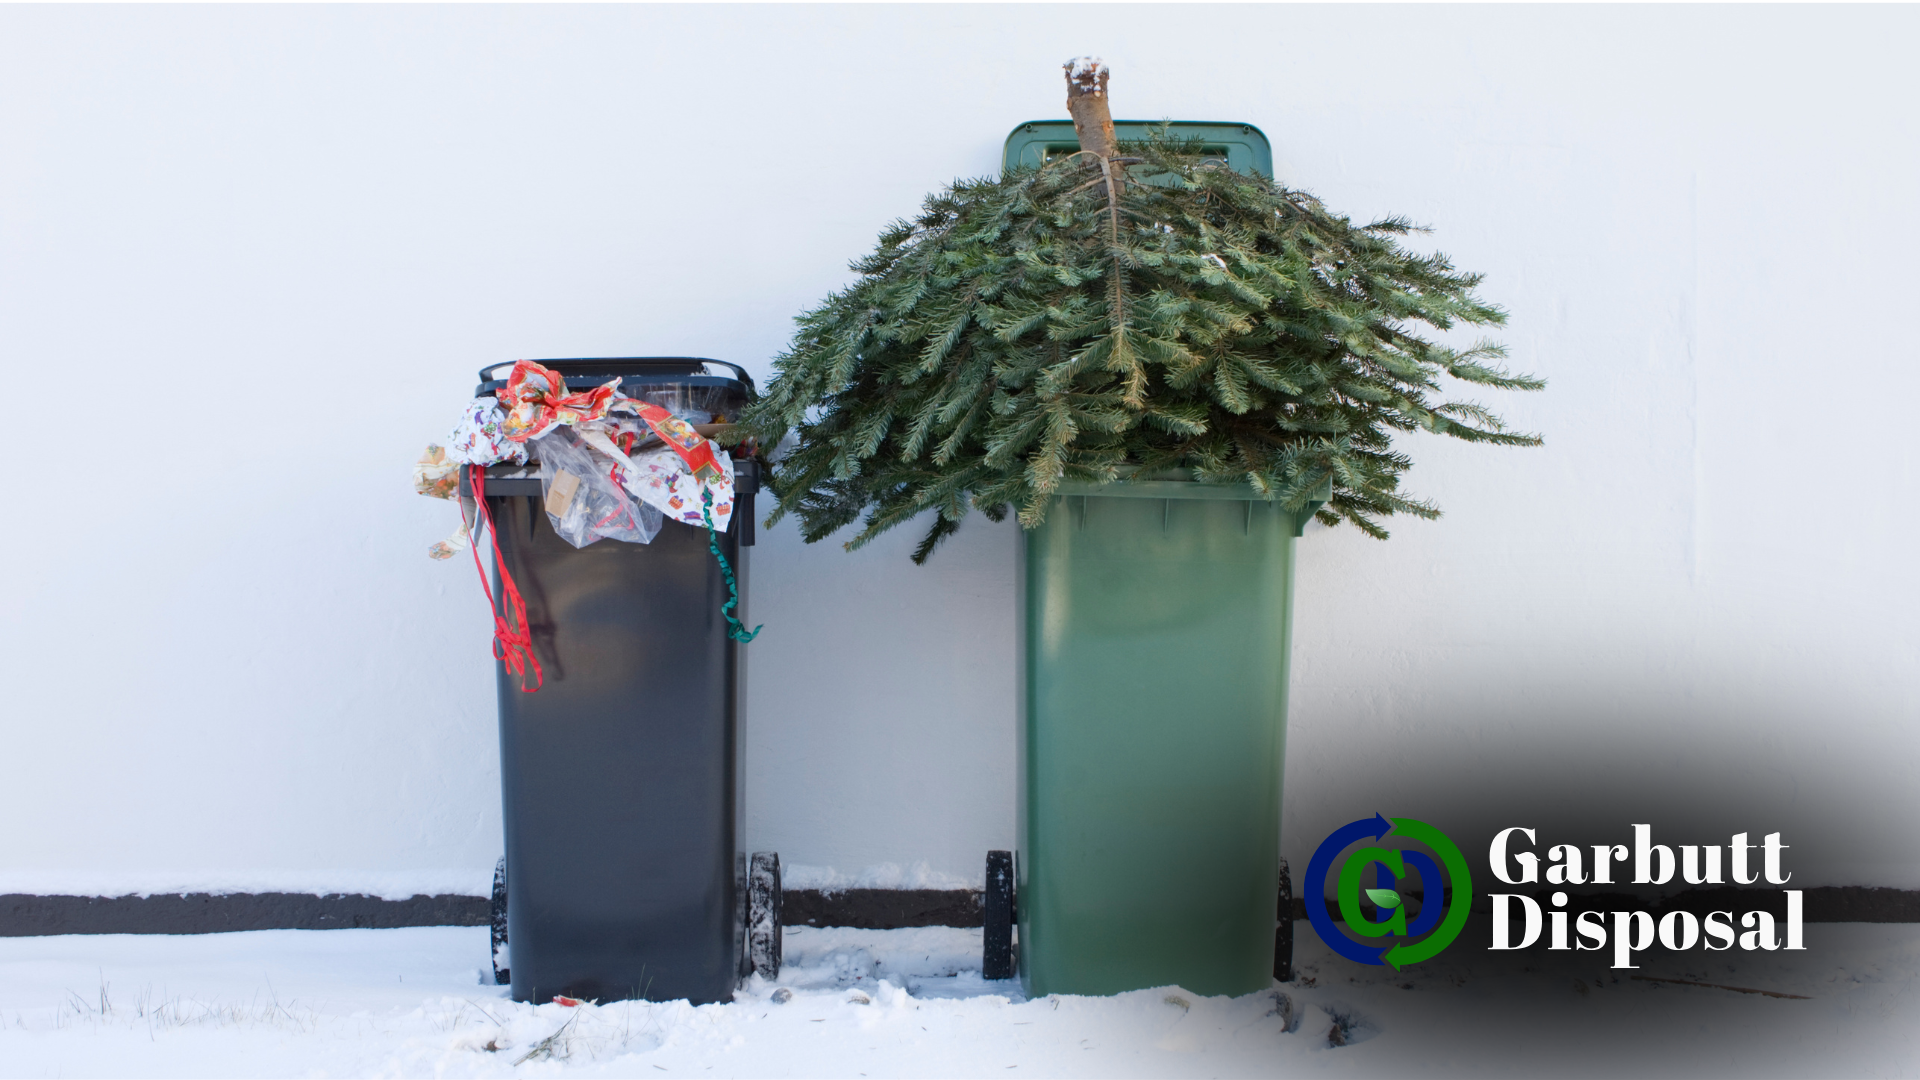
(544, 1048)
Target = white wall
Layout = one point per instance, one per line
(251, 257)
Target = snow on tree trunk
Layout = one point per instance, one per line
(1087, 104)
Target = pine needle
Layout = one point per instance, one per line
(1060, 322)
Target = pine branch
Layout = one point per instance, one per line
(1061, 322)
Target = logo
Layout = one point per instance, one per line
(1408, 941)
(1677, 930)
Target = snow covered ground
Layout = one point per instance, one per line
(912, 1003)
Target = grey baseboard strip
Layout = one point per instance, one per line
(206, 913)
(881, 909)
(873, 909)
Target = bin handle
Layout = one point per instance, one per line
(737, 370)
(487, 373)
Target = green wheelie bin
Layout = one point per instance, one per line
(1157, 617)
(1156, 626)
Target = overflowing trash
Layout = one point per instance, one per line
(585, 442)
(611, 467)
(587, 500)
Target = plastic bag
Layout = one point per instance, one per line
(583, 500)
(663, 480)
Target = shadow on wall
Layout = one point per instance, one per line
(1583, 763)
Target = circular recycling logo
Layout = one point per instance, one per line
(1440, 871)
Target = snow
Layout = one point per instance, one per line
(386, 884)
(1085, 69)
(919, 875)
(912, 1003)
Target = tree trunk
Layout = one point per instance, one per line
(1087, 104)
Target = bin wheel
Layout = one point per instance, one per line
(1283, 928)
(764, 898)
(998, 914)
(497, 911)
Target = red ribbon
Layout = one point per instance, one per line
(511, 646)
(535, 398)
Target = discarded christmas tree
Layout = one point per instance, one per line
(1124, 311)
(1165, 367)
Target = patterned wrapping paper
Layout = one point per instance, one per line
(588, 481)
(534, 403)
(436, 475)
(694, 449)
(452, 545)
(535, 398)
(480, 437)
(663, 480)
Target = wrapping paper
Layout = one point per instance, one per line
(452, 545)
(480, 437)
(696, 451)
(435, 475)
(535, 405)
(536, 398)
(662, 479)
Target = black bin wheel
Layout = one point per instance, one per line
(1283, 928)
(764, 897)
(997, 910)
(497, 910)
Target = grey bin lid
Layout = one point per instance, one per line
(583, 373)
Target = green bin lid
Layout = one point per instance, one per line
(1244, 146)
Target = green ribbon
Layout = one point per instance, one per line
(735, 629)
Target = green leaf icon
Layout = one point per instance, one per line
(1385, 898)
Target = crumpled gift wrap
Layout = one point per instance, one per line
(452, 545)
(694, 449)
(536, 398)
(662, 479)
(480, 436)
(687, 475)
(436, 475)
